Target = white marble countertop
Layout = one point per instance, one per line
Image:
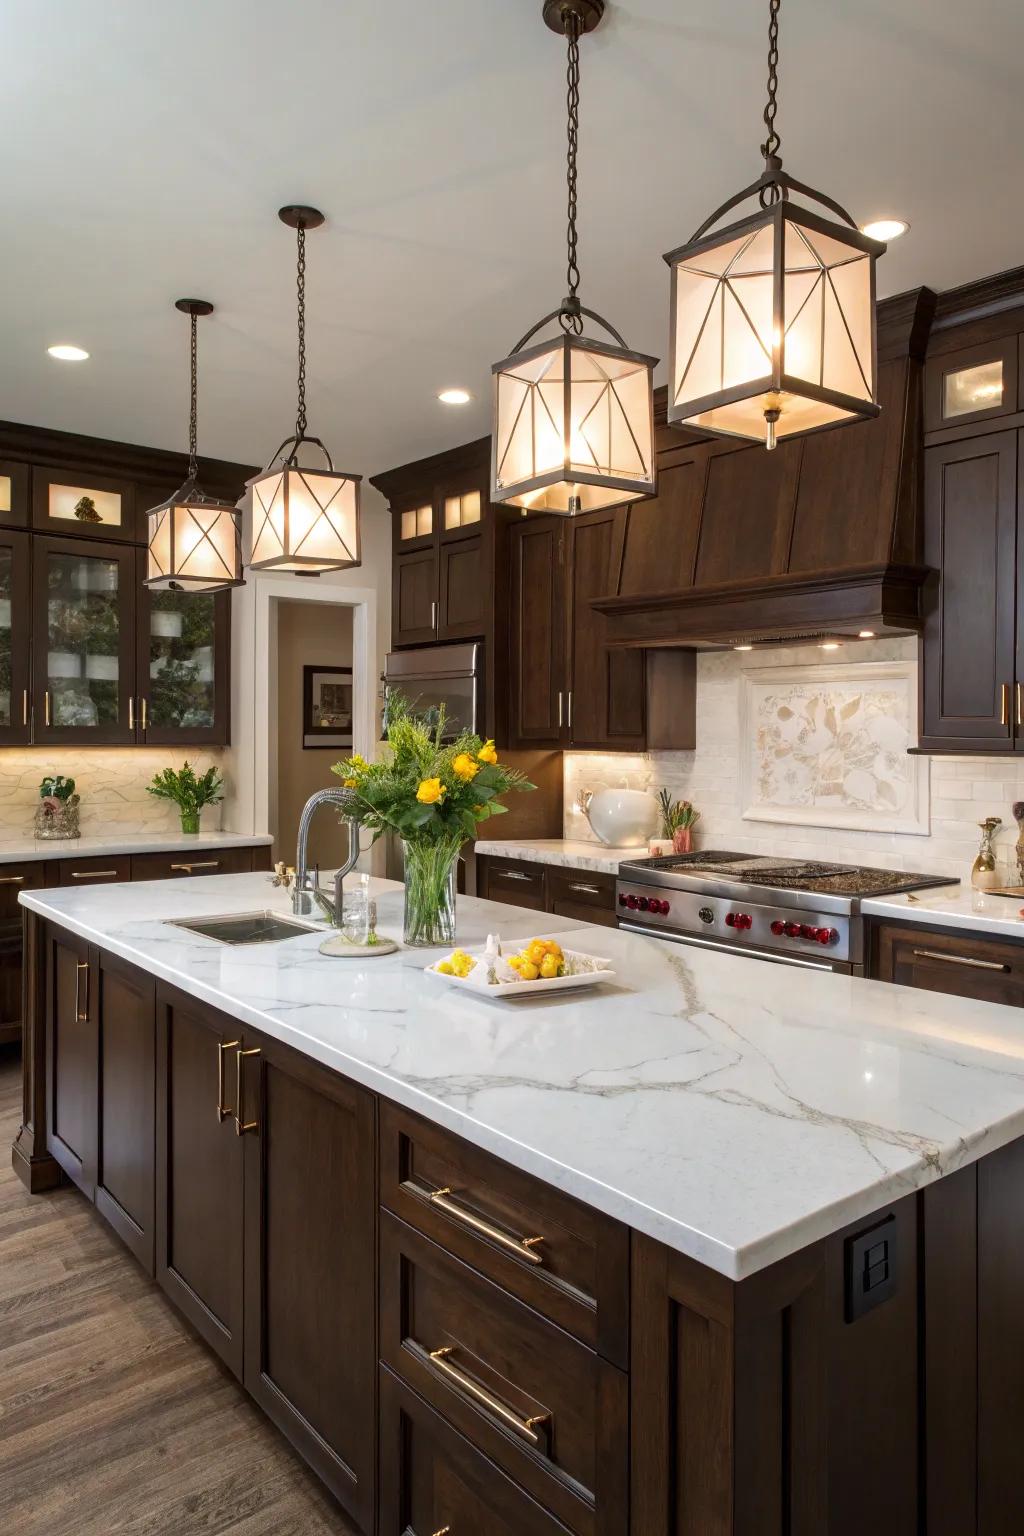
(27, 848)
(954, 906)
(566, 852)
(733, 1109)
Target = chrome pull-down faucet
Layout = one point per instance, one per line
(307, 883)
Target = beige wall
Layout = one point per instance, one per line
(308, 634)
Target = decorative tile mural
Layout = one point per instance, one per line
(826, 746)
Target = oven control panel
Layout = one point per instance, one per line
(739, 921)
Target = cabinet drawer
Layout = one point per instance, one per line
(15, 878)
(199, 861)
(548, 1410)
(480, 1209)
(579, 893)
(433, 1480)
(515, 881)
(106, 870)
(941, 960)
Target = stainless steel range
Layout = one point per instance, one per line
(794, 912)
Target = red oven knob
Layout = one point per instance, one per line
(791, 930)
(740, 920)
(778, 927)
(644, 904)
(622, 898)
(828, 935)
(631, 902)
(665, 909)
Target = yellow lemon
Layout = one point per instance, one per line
(528, 971)
(535, 951)
(446, 968)
(549, 967)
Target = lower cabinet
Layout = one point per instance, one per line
(13, 878)
(125, 1010)
(72, 1057)
(578, 894)
(947, 960)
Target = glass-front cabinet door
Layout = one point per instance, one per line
(83, 642)
(183, 666)
(15, 621)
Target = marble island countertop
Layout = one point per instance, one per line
(566, 852)
(733, 1109)
(24, 849)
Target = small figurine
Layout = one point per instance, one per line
(85, 510)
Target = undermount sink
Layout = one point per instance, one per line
(245, 927)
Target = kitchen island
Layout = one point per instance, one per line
(718, 1248)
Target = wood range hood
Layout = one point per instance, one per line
(820, 538)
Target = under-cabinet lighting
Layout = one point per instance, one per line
(830, 645)
(865, 634)
(743, 647)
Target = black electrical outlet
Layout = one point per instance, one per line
(870, 1268)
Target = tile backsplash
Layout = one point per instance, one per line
(111, 781)
(963, 790)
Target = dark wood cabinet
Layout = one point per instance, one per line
(971, 695)
(125, 1006)
(183, 667)
(947, 960)
(538, 634)
(199, 1170)
(576, 894)
(464, 592)
(518, 882)
(310, 1298)
(86, 505)
(414, 598)
(972, 384)
(15, 640)
(72, 1056)
(605, 706)
(14, 494)
(13, 879)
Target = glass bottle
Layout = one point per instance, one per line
(984, 875)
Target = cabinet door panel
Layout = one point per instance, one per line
(414, 599)
(127, 1082)
(86, 505)
(538, 633)
(72, 1052)
(959, 964)
(661, 534)
(199, 1172)
(968, 642)
(14, 482)
(310, 1297)
(607, 697)
(465, 594)
(748, 512)
(13, 878)
(184, 667)
(83, 642)
(15, 627)
(971, 384)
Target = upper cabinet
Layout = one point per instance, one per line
(14, 494)
(87, 506)
(183, 666)
(972, 384)
(15, 651)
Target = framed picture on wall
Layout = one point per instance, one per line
(327, 707)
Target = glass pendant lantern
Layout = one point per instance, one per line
(573, 416)
(194, 540)
(304, 520)
(773, 317)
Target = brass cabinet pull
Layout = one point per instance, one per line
(144, 713)
(514, 874)
(131, 713)
(522, 1247)
(223, 1046)
(202, 864)
(978, 965)
(24, 706)
(46, 706)
(559, 709)
(1020, 720)
(12, 879)
(586, 890)
(527, 1428)
(433, 615)
(568, 720)
(444, 1531)
(1004, 704)
(94, 874)
(80, 1017)
(241, 1126)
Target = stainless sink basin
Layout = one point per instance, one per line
(245, 927)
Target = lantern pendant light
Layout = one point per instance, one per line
(303, 520)
(773, 317)
(194, 540)
(573, 417)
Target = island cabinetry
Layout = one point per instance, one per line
(309, 1279)
(125, 1005)
(13, 878)
(72, 1056)
(434, 1480)
(546, 1409)
(947, 960)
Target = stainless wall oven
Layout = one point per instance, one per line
(432, 675)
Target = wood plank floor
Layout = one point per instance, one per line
(113, 1416)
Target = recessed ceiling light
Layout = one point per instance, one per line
(830, 645)
(885, 229)
(866, 634)
(454, 396)
(68, 354)
(743, 647)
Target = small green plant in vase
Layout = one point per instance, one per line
(678, 819)
(189, 791)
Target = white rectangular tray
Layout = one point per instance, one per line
(597, 970)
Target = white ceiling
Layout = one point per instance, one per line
(147, 146)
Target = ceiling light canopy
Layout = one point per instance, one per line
(454, 396)
(194, 539)
(573, 417)
(65, 353)
(303, 520)
(885, 229)
(773, 317)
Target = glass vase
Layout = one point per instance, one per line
(430, 892)
(190, 822)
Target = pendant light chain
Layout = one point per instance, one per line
(300, 284)
(570, 317)
(773, 143)
(193, 467)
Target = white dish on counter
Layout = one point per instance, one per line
(592, 970)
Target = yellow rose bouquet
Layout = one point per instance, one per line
(433, 793)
